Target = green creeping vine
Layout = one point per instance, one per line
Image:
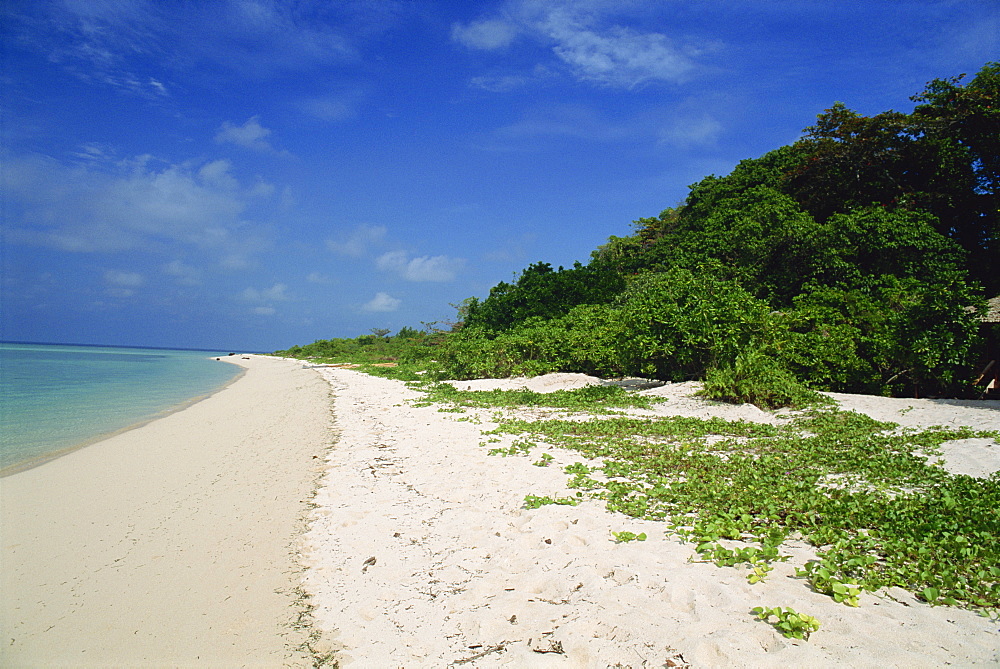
(822, 579)
(534, 502)
(861, 491)
(793, 625)
(625, 537)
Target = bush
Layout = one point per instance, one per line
(891, 336)
(758, 379)
(678, 324)
(581, 341)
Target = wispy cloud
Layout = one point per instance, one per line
(217, 173)
(332, 108)
(184, 274)
(700, 129)
(250, 135)
(619, 56)
(276, 293)
(358, 242)
(382, 302)
(319, 277)
(129, 205)
(586, 40)
(487, 34)
(122, 284)
(566, 120)
(264, 299)
(420, 269)
(134, 45)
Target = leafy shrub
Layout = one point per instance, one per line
(758, 379)
(887, 336)
(541, 292)
(676, 325)
(581, 341)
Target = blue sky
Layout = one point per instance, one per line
(253, 174)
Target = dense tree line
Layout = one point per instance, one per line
(853, 259)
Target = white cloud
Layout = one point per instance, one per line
(693, 130)
(318, 277)
(382, 302)
(333, 107)
(115, 42)
(138, 204)
(264, 311)
(125, 279)
(158, 87)
(566, 120)
(250, 135)
(358, 242)
(584, 36)
(93, 151)
(122, 284)
(261, 189)
(276, 293)
(217, 174)
(185, 275)
(487, 34)
(617, 56)
(424, 268)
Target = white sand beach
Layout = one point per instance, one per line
(184, 542)
(422, 555)
(171, 544)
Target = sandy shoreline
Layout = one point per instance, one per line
(422, 555)
(38, 461)
(185, 542)
(172, 544)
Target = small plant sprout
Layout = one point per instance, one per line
(536, 502)
(790, 623)
(759, 572)
(545, 460)
(625, 537)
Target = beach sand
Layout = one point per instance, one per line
(184, 543)
(172, 544)
(421, 554)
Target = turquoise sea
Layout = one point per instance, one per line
(54, 398)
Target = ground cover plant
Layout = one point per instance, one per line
(866, 494)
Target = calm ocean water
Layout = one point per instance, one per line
(56, 397)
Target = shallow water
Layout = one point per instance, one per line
(56, 397)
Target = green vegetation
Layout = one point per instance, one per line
(864, 493)
(852, 260)
(791, 624)
(409, 355)
(846, 261)
(625, 537)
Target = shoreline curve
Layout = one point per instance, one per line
(175, 543)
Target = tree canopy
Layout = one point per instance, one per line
(854, 258)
